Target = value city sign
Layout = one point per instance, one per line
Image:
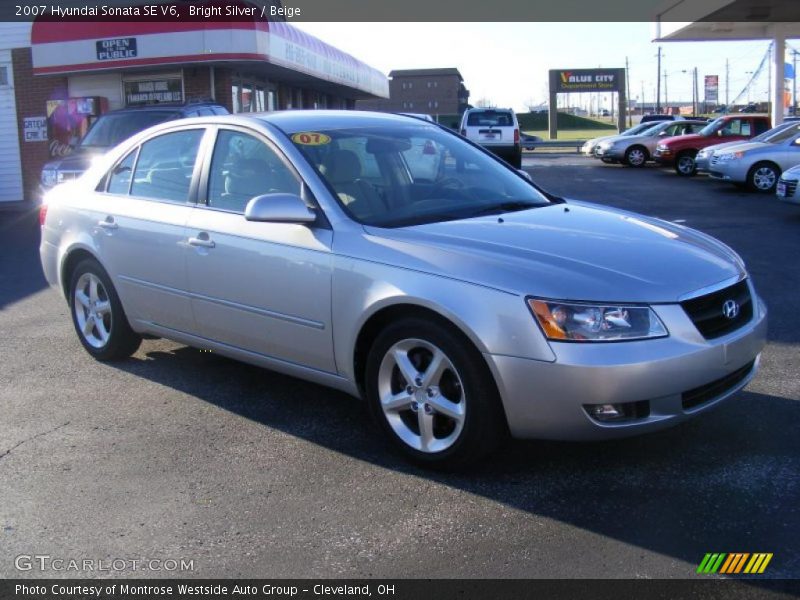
(586, 80)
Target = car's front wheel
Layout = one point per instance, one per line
(763, 177)
(685, 164)
(636, 156)
(433, 394)
(97, 314)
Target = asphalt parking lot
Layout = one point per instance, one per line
(177, 453)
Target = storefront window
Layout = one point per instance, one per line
(259, 99)
(247, 97)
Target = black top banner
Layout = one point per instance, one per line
(406, 11)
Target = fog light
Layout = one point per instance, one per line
(606, 412)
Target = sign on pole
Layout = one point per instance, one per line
(712, 88)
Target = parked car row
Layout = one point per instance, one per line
(739, 149)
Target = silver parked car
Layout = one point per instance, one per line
(589, 147)
(786, 189)
(394, 260)
(758, 165)
(703, 158)
(636, 150)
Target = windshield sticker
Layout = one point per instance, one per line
(311, 138)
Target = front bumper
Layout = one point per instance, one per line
(664, 158)
(546, 400)
(728, 171)
(610, 153)
(791, 190)
(702, 163)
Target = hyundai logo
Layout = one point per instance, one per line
(730, 309)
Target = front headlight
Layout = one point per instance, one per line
(584, 322)
(730, 156)
(49, 177)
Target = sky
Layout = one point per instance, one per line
(507, 63)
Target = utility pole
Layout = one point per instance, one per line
(643, 102)
(666, 95)
(769, 78)
(628, 93)
(696, 94)
(727, 79)
(794, 82)
(658, 84)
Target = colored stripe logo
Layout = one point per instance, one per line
(735, 563)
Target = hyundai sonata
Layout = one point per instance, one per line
(390, 258)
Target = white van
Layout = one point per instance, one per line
(496, 129)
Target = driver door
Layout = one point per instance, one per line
(260, 287)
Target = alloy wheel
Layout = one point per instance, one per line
(636, 157)
(421, 395)
(764, 178)
(92, 308)
(686, 165)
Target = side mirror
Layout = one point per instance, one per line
(525, 174)
(279, 208)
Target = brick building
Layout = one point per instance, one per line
(74, 73)
(428, 91)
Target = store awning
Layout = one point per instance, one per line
(79, 47)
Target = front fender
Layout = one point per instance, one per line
(496, 322)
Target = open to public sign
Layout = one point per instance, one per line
(116, 49)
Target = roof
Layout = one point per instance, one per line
(293, 121)
(426, 72)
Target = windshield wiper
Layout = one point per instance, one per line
(504, 207)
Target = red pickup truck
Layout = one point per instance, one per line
(679, 152)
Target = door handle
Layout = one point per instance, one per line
(108, 223)
(202, 241)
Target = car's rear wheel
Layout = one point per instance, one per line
(763, 177)
(97, 314)
(685, 164)
(516, 160)
(433, 394)
(636, 156)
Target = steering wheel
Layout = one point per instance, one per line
(448, 183)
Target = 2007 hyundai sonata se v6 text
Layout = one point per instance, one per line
(390, 258)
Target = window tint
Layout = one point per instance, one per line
(165, 166)
(495, 118)
(761, 127)
(244, 167)
(119, 181)
(109, 130)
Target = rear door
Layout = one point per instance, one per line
(145, 203)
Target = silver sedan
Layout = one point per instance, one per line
(758, 165)
(636, 149)
(703, 158)
(391, 259)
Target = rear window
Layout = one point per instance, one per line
(494, 118)
(109, 130)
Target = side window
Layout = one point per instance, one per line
(165, 166)
(244, 167)
(761, 126)
(119, 179)
(424, 159)
(733, 127)
(745, 128)
(369, 165)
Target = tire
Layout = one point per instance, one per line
(516, 160)
(685, 165)
(448, 422)
(608, 161)
(763, 177)
(636, 156)
(97, 314)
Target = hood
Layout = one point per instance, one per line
(717, 147)
(575, 251)
(79, 160)
(689, 139)
(602, 138)
(745, 146)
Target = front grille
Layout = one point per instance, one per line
(707, 312)
(791, 187)
(714, 160)
(709, 391)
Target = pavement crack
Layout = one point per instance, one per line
(33, 437)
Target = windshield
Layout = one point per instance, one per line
(786, 133)
(412, 174)
(109, 130)
(641, 127)
(712, 127)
